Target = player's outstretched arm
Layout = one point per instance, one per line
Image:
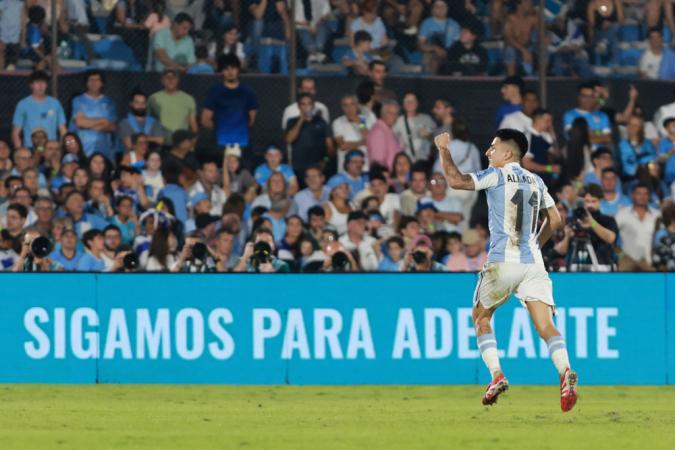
(455, 179)
(551, 223)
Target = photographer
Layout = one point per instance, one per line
(195, 255)
(590, 245)
(126, 260)
(259, 257)
(419, 258)
(34, 253)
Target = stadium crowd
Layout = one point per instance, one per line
(101, 186)
(446, 37)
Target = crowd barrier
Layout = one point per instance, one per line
(322, 329)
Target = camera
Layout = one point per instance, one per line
(130, 261)
(340, 261)
(41, 247)
(199, 251)
(261, 253)
(419, 257)
(579, 213)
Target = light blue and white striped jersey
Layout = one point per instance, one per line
(515, 197)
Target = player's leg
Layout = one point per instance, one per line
(487, 343)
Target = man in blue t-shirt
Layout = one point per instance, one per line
(512, 90)
(94, 117)
(273, 157)
(599, 127)
(231, 108)
(437, 34)
(81, 221)
(38, 110)
(67, 255)
(612, 200)
(92, 261)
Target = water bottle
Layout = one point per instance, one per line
(64, 51)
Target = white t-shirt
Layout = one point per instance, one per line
(450, 205)
(517, 121)
(350, 132)
(218, 197)
(226, 50)
(151, 264)
(650, 64)
(367, 257)
(464, 154)
(416, 124)
(391, 204)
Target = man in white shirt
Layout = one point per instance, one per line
(307, 86)
(521, 120)
(350, 131)
(650, 61)
(357, 239)
(636, 226)
(662, 114)
(208, 179)
(449, 211)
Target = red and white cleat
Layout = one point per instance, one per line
(498, 385)
(568, 390)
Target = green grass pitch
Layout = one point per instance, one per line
(332, 417)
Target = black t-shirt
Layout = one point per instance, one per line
(603, 251)
(172, 165)
(469, 61)
(310, 146)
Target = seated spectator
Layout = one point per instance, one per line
(315, 194)
(399, 178)
(311, 27)
(512, 89)
(357, 241)
(276, 188)
(201, 204)
(466, 56)
(7, 255)
(180, 160)
(418, 188)
(365, 94)
(99, 202)
(228, 44)
(413, 130)
(377, 73)
(381, 142)
(437, 34)
(157, 19)
(422, 246)
(127, 21)
(5, 157)
(637, 225)
(453, 247)
(521, 120)
(316, 223)
(605, 18)
(472, 258)
(173, 108)
(236, 179)
(403, 17)
(541, 156)
(187, 263)
(449, 210)
(664, 248)
(131, 185)
(126, 219)
(353, 165)
(202, 66)
(12, 22)
(22, 197)
(273, 158)
(44, 210)
(613, 201)
(338, 207)
(80, 179)
(71, 143)
(23, 160)
(650, 175)
(92, 261)
(651, 132)
(307, 86)
(15, 219)
(600, 128)
(272, 264)
(94, 117)
(566, 48)
(176, 193)
(650, 61)
(667, 149)
(370, 22)
(208, 184)
(426, 213)
(357, 59)
(518, 28)
(138, 121)
(38, 110)
(636, 150)
(136, 156)
(276, 215)
(270, 20)
(69, 163)
(289, 245)
(67, 255)
(173, 48)
(152, 173)
(389, 204)
(28, 262)
(224, 249)
(393, 261)
(38, 42)
(82, 222)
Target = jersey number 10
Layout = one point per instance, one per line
(518, 199)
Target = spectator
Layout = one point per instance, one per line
(22, 196)
(578, 154)
(354, 161)
(113, 239)
(23, 160)
(402, 17)
(37, 40)
(370, 22)
(208, 184)
(82, 222)
(270, 20)
(650, 175)
(71, 143)
(472, 258)
(28, 262)
(338, 206)
(600, 129)
(309, 137)
(667, 149)
(377, 72)
(127, 21)
(187, 261)
(512, 89)
(38, 138)
(466, 56)
(67, 255)
(174, 109)
(664, 250)
(437, 34)
(131, 185)
(602, 159)
(202, 66)
(605, 18)
(365, 94)
(173, 48)
(449, 210)
(566, 48)
(139, 148)
(273, 157)
(613, 201)
(224, 245)
(206, 223)
(69, 163)
(180, 160)
(393, 261)
(390, 204)
(201, 205)
(152, 173)
(312, 31)
(137, 121)
(315, 194)
(350, 131)
(99, 201)
(12, 23)
(15, 221)
(421, 246)
(651, 132)
(157, 19)
(51, 159)
(92, 261)
(276, 188)
(236, 179)
(272, 264)
(126, 219)
(667, 67)
(38, 110)
(426, 213)
(521, 120)
(650, 61)
(316, 223)
(413, 129)
(5, 159)
(231, 108)
(541, 156)
(44, 211)
(637, 226)
(307, 86)
(636, 150)
(357, 241)
(358, 58)
(518, 28)
(228, 44)
(81, 179)
(381, 142)
(453, 247)
(94, 118)
(418, 188)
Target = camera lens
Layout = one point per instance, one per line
(262, 251)
(130, 261)
(419, 257)
(199, 251)
(340, 260)
(580, 213)
(41, 247)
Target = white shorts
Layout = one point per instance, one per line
(528, 282)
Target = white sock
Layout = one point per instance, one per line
(558, 352)
(487, 344)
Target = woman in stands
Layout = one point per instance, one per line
(160, 256)
(400, 173)
(337, 208)
(152, 173)
(81, 179)
(71, 143)
(635, 150)
(228, 44)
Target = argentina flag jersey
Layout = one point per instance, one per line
(515, 197)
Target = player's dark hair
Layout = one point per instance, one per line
(514, 138)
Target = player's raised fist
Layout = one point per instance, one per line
(442, 140)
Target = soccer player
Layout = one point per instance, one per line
(515, 265)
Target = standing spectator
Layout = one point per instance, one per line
(309, 137)
(358, 58)
(174, 109)
(518, 29)
(13, 19)
(443, 113)
(370, 22)
(637, 226)
(157, 19)
(540, 157)
(82, 222)
(357, 241)
(273, 164)
(230, 109)
(566, 48)
(354, 161)
(311, 28)
(92, 261)
(173, 48)
(605, 18)
(377, 72)
(94, 116)
(650, 61)
(315, 194)
(612, 201)
(522, 120)
(413, 129)
(338, 206)
(307, 86)
(270, 20)
(466, 56)
(208, 184)
(37, 110)
(137, 121)
(350, 131)
(449, 210)
(472, 258)
(381, 142)
(512, 89)
(437, 34)
(68, 256)
(635, 150)
(418, 188)
(600, 128)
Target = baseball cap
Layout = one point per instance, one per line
(233, 150)
(204, 220)
(470, 237)
(352, 153)
(37, 130)
(272, 147)
(70, 157)
(337, 180)
(424, 203)
(198, 197)
(356, 215)
(421, 239)
(182, 135)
